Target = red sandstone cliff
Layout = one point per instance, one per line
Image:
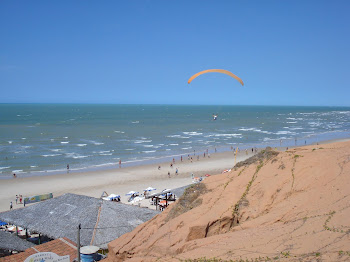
(293, 206)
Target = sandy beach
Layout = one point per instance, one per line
(122, 180)
(117, 181)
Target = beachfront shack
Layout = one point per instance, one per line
(101, 221)
(61, 247)
(10, 243)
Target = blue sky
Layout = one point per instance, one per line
(286, 52)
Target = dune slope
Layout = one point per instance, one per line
(291, 205)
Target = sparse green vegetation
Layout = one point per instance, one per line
(285, 254)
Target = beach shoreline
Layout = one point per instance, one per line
(122, 180)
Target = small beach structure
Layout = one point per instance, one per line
(10, 242)
(101, 221)
(60, 247)
(166, 196)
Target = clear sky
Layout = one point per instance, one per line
(143, 52)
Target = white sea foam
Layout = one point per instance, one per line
(17, 171)
(50, 155)
(168, 149)
(292, 122)
(284, 133)
(56, 150)
(173, 144)
(10, 142)
(192, 133)
(148, 145)
(120, 132)
(33, 166)
(65, 142)
(186, 148)
(106, 154)
(135, 122)
(81, 144)
(187, 142)
(98, 143)
(178, 136)
(174, 136)
(75, 156)
(130, 149)
(4, 167)
(142, 141)
(147, 152)
(228, 135)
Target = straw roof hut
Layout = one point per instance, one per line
(9, 241)
(101, 221)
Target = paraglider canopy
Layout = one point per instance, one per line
(223, 71)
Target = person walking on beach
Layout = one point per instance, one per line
(67, 168)
(174, 160)
(20, 199)
(192, 175)
(177, 171)
(120, 163)
(158, 167)
(16, 199)
(169, 174)
(181, 158)
(10, 205)
(14, 175)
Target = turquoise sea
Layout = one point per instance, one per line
(41, 139)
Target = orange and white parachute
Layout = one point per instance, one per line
(223, 71)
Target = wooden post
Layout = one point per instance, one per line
(78, 242)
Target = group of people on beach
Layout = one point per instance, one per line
(19, 200)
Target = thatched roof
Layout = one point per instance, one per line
(60, 217)
(9, 241)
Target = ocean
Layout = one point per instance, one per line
(41, 139)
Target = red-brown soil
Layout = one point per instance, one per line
(286, 206)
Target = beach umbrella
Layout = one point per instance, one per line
(137, 199)
(149, 189)
(131, 193)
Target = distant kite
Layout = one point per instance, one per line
(216, 71)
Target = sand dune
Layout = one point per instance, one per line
(292, 206)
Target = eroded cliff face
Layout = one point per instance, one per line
(290, 205)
